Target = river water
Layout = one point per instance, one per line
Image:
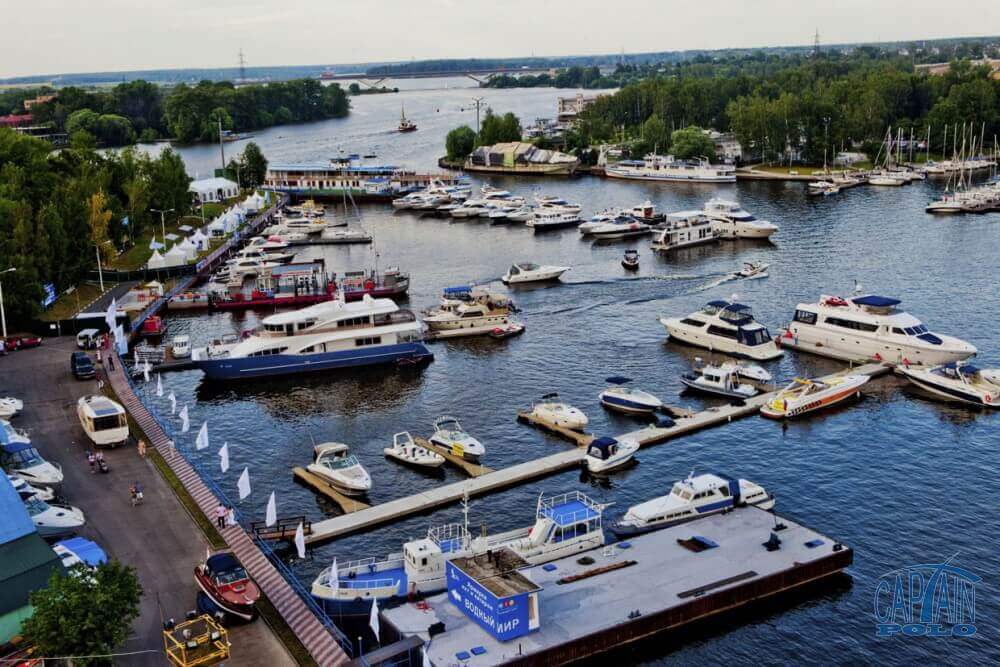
(901, 479)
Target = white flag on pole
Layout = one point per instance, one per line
(271, 515)
(120, 340)
(244, 484)
(201, 442)
(145, 371)
(159, 386)
(173, 403)
(300, 541)
(334, 576)
(185, 424)
(111, 316)
(373, 619)
(224, 457)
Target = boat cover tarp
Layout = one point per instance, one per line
(876, 301)
(87, 551)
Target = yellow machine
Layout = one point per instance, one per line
(200, 641)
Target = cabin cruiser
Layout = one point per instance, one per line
(333, 462)
(54, 520)
(521, 214)
(803, 396)
(408, 201)
(725, 380)
(957, 381)
(103, 420)
(246, 266)
(684, 229)
(477, 314)
(752, 270)
(630, 262)
(727, 327)
(551, 410)
(19, 457)
(869, 327)
(949, 203)
(610, 216)
(607, 454)
(646, 212)
(527, 272)
(667, 168)
(471, 209)
(565, 525)
(226, 582)
(27, 491)
(695, 497)
(886, 178)
(543, 220)
(272, 256)
(10, 406)
(448, 433)
(405, 450)
(325, 336)
(308, 225)
(628, 400)
(824, 188)
(268, 243)
(181, 347)
(615, 230)
(731, 221)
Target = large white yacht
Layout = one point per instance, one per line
(477, 312)
(668, 168)
(869, 327)
(732, 221)
(689, 499)
(684, 229)
(325, 336)
(727, 327)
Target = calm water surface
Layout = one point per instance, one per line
(900, 479)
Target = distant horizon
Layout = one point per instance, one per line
(361, 65)
(122, 36)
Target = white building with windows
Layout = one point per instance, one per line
(214, 189)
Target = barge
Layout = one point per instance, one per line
(573, 608)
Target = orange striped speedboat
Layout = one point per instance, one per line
(802, 396)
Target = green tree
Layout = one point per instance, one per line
(460, 142)
(84, 613)
(83, 119)
(354, 89)
(253, 166)
(692, 142)
(114, 130)
(496, 129)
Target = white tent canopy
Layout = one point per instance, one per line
(175, 256)
(214, 189)
(190, 250)
(199, 239)
(156, 261)
(217, 227)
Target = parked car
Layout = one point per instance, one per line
(82, 366)
(21, 343)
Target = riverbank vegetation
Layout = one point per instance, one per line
(494, 129)
(142, 111)
(57, 208)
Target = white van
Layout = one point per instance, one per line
(87, 339)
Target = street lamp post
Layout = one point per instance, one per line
(163, 224)
(3, 316)
(100, 273)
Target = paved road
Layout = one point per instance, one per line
(158, 538)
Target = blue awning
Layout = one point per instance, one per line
(458, 289)
(876, 301)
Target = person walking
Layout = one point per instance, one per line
(220, 516)
(92, 460)
(230, 516)
(141, 448)
(111, 361)
(98, 356)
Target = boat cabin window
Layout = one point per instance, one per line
(754, 336)
(805, 316)
(23, 458)
(268, 352)
(692, 323)
(897, 330)
(916, 331)
(368, 340)
(711, 377)
(724, 491)
(274, 328)
(851, 324)
(716, 330)
(353, 321)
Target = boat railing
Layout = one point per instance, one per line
(449, 537)
(547, 505)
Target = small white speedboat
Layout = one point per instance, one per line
(526, 272)
(448, 433)
(10, 406)
(54, 520)
(803, 396)
(752, 270)
(628, 400)
(333, 462)
(957, 382)
(607, 454)
(553, 411)
(406, 451)
(181, 347)
(722, 380)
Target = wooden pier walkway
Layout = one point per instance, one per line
(315, 636)
(324, 488)
(578, 438)
(517, 474)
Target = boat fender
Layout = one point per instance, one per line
(988, 398)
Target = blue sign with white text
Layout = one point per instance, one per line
(504, 618)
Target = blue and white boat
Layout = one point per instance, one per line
(323, 337)
(626, 399)
(565, 524)
(689, 499)
(77, 550)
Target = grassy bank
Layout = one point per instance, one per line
(68, 305)
(136, 257)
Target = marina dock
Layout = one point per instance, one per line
(324, 488)
(701, 568)
(579, 438)
(496, 480)
(468, 467)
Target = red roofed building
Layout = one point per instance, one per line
(15, 120)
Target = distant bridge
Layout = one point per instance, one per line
(477, 75)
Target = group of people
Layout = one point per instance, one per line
(224, 516)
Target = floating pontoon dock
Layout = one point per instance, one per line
(547, 465)
(468, 467)
(323, 487)
(701, 568)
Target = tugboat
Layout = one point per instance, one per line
(405, 124)
(630, 262)
(153, 327)
(227, 584)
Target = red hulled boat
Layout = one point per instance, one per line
(226, 582)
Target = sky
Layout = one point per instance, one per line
(63, 36)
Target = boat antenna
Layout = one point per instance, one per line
(465, 511)
(857, 287)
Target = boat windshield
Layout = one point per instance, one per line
(230, 576)
(35, 506)
(25, 457)
(341, 463)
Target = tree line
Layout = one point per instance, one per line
(494, 129)
(810, 105)
(57, 207)
(139, 110)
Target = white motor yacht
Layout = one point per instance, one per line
(103, 420)
(478, 314)
(268, 244)
(803, 396)
(180, 347)
(606, 454)
(25, 490)
(731, 221)
(448, 433)
(690, 499)
(543, 221)
(54, 520)
(722, 380)
(626, 399)
(752, 271)
(527, 272)
(306, 225)
(724, 326)
(10, 406)
(869, 327)
(683, 230)
(667, 168)
(823, 188)
(405, 450)
(611, 215)
(335, 464)
(20, 458)
(646, 212)
(274, 256)
(551, 410)
(957, 382)
(614, 230)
